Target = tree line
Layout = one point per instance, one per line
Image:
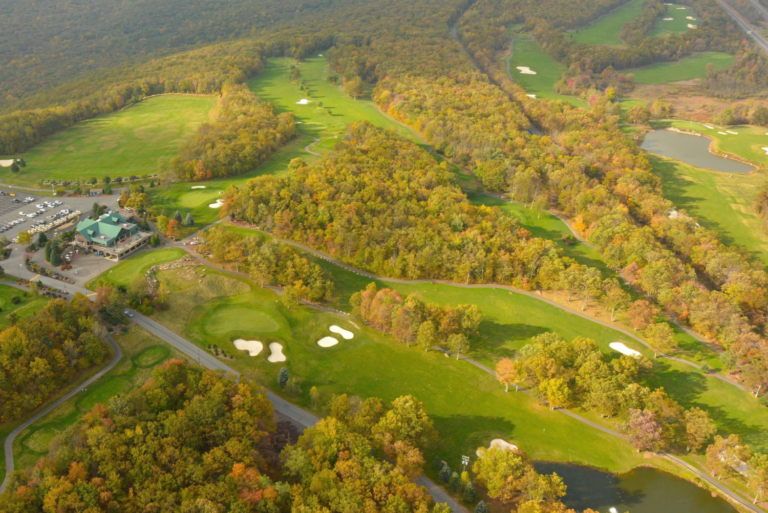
(46, 351)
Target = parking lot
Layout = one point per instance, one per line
(17, 214)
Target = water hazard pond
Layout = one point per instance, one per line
(690, 149)
(642, 490)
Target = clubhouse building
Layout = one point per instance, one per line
(111, 235)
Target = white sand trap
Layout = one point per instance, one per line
(218, 204)
(531, 95)
(277, 353)
(732, 132)
(348, 335)
(6, 163)
(620, 347)
(707, 126)
(690, 18)
(681, 8)
(668, 19)
(198, 187)
(692, 26)
(253, 347)
(303, 101)
(327, 342)
(319, 54)
(722, 133)
(525, 70)
(765, 149)
(497, 442)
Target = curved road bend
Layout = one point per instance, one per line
(8, 446)
(283, 408)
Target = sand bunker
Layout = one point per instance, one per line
(765, 149)
(690, 18)
(198, 187)
(319, 54)
(722, 133)
(531, 95)
(6, 163)
(710, 127)
(327, 342)
(692, 26)
(497, 442)
(348, 335)
(732, 132)
(253, 347)
(525, 70)
(620, 347)
(277, 353)
(668, 19)
(218, 204)
(681, 8)
(303, 101)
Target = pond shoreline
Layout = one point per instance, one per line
(714, 151)
(692, 155)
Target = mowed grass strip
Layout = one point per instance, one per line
(123, 273)
(141, 352)
(678, 24)
(689, 68)
(605, 31)
(124, 143)
(528, 53)
(720, 201)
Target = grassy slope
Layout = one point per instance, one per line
(124, 272)
(685, 69)
(677, 25)
(141, 352)
(548, 71)
(120, 144)
(747, 143)
(26, 307)
(720, 201)
(605, 31)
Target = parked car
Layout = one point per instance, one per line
(128, 313)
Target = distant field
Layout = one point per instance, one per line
(685, 69)
(721, 201)
(120, 144)
(678, 24)
(528, 53)
(748, 141)
(605, 31)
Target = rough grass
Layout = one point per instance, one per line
(141, 352)
(605, 31)
(548, 71)
(26, 307)
(748, 142)
(721, 201)
(120, 144)
(124, 272)
(685, 69)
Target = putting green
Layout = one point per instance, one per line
(120, 144)
(151, 356)
(239, 319)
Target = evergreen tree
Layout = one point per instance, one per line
(41, 239)
(108, 190)
(454, 483)
(15, 168)
(438, 462)
(48, 247)
(177, 216)
(55, 254)
(188, 221)
(470, 495)
(445, 473)
(282, 377)
(481, 507)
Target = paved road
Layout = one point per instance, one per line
(762, 43)
(8, 446)
(308, 146)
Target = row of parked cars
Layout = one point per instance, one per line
(42, 208)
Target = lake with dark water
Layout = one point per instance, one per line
(642, 490)
(690, 149)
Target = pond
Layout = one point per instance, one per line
(690, 149)
(642, 490)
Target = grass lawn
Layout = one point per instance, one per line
(469, 407)
(721, 201)
(141, 352)
(685, 69)
(748, 142)
(26, 307)
(120, 144)
(124, 272)
(678, 24)
(548, 71)
(605, 31)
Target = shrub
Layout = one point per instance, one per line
(15, 300)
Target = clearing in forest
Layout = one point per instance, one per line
(124, 143)
(674, 21)
(605, 30)
(689, 68)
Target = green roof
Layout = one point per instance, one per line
(105, 230)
